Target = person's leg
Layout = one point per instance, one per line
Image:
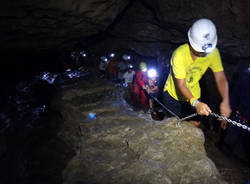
(135, 95)
(230, 139)
(195, 123)
(171, 104)
(188, 110)
(246, 144)
(130, 91)
(151, 103)
(144, 99)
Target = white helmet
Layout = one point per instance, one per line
(202, 36)
(126, 57)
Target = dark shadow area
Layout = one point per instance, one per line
(31, 151)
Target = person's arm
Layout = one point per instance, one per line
(153, 90)
(201, 108)
(222, 85)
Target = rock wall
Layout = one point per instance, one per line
(49, 25)
(146, 27)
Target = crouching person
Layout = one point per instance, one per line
(152, 88)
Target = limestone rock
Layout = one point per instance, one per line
(120, 145)
(48, 25)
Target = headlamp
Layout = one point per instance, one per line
(207, 47)
(152, 73)
(112, 55)
(83, 54)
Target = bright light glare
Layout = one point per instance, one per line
(152, 73)
(209, 50)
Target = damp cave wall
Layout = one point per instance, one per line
(38, 35)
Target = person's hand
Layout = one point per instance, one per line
(225, 109)
(223, 124)
(202, 108)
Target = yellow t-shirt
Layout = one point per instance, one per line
(183, 67)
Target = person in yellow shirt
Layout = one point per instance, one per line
(189, 62)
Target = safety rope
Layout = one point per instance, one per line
(179, 120)
(230, 121)
(165, 108)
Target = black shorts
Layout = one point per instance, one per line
(180, 108)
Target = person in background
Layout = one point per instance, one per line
(152, 88)
(128, 77)
(139, 87)
(127, 80)
(83, 65)
(189, 62)
(240, 103)
(103, 65)
(112, 70)
(122, 66)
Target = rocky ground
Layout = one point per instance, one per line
(90, 134)
(120, 145)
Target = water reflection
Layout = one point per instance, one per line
(51, 77)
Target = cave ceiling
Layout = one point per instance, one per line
(146, 27)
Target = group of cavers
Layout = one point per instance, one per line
(142, 85)
(181, 91)
(76, 61)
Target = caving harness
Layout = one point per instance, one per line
(179, 120)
